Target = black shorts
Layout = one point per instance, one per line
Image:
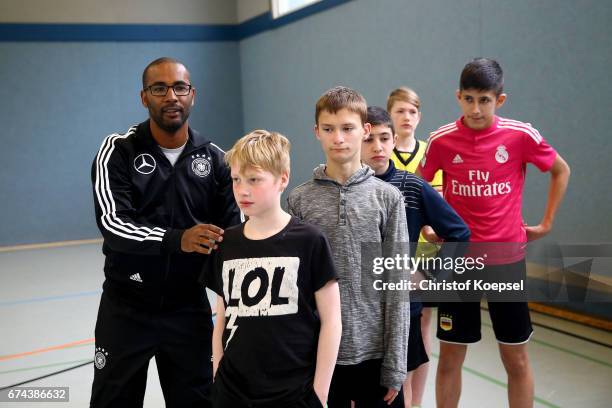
(460, 322)
(416, 349)
(127, 338)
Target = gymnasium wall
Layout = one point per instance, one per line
(556, 55)
(61, 98)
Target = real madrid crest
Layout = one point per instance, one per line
(100, 358)
(200, 165)
(501, 155)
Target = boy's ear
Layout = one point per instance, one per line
(458, 94)
(501, 99)
(367, 128)
(394, 139)
(284, 180)
(316, 131)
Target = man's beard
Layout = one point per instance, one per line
(170, 126)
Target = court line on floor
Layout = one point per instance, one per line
(45, 245)
(577, 336)
(498, 382)
(563, 349)
(47, 349)
(72, 344)
(567, 333)
(50, 298)
(46, 375)
(17, 370)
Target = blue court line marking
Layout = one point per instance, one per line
(49, 298)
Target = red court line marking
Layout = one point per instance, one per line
(44, 350)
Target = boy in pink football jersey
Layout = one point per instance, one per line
(483, 158)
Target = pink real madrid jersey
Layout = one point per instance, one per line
(484, 173)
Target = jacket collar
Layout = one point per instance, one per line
(194, 141)
(388, 175)
(360, 175)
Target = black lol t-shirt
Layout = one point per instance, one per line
(271, 322)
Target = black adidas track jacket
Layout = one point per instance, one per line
(143, 204)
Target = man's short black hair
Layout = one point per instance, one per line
(378, 116)
(482, 74)
(159, 61)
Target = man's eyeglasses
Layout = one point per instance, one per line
(162, 90)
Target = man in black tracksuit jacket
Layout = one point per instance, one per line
(162, 195)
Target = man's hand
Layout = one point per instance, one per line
(201, 238)
(536, 231)
(390, 396)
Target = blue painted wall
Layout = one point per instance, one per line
(556, 55)
(59, 100)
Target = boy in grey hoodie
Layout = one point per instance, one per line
(353, 207)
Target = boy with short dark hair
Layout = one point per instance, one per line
(424, 206)
(278, 323)
(353, 207)
(484, 159)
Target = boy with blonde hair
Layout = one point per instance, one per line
(404, 107)
(353, 207)
(278, 327)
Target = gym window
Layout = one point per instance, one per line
(284, 7)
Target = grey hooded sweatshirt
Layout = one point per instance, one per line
(363, 210)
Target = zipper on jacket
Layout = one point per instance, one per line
(172, 205)
(168, 256)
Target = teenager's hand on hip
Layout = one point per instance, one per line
(390, 396)
(536, 231)
(201, 238)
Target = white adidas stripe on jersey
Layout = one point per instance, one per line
(527, 126)
(536, 138)
(517, 125)
(109, 218)
(113, 219)
(443, 128)
(517, 122)
(107, 203)
(438, 134)
(220, 149)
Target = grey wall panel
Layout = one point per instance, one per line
(556, 56)
(119, 11)
(61, 99)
